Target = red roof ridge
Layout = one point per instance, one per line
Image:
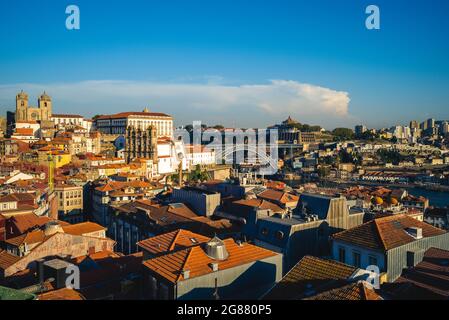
(173, 243)
(189, 253)
(384, 245)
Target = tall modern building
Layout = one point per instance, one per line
(414, 124)
(445, 127)
(359, 130)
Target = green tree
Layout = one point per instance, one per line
(198, 174)
(390, 156)
(343, 134)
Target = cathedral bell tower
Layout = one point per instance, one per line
(45, 106)
(21, 106)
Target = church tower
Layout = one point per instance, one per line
(21, 106)
(45, 107)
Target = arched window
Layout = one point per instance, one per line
(22, 104)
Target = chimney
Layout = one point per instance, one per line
(40, 270)
(415, 232)
(214, 266)
(185, 274)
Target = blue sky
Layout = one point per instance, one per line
(240, 63)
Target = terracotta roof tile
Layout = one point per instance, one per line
(20, 197)
(354, 291)
(128, 114)
(25, 222)
(61, 294)
(386, 233)
(82, 228)
(279, 196)
(260, 203)
(194, 259)
(7, 259)
(36, 236)
(311, 273)
(172, 241)
(24, 131)
(429, 279)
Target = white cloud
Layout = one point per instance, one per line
(243, 104)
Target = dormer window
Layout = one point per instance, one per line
(279, 235)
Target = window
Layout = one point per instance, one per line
(356, 260)
(342, 255)
(279, 235)
(372, 261)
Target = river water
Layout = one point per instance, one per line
(436, 199)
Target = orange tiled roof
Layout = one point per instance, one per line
(110, 186)
(128, 114)
(386, 233)
(24, 131)
(310, 271)
(24, 222)
(36, 236)
(7, 259)
(20, 197)
(260, 203)
(82, 228)
(194, 259)
(172, 241)
(181, 209)
(274, 195)
(61, 294)
(116, 185)
(98, 256)
(354, 291)
(276, 185)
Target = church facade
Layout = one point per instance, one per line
(26, 113)
(141, 143)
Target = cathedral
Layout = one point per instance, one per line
(24, 112)
(141, 143)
